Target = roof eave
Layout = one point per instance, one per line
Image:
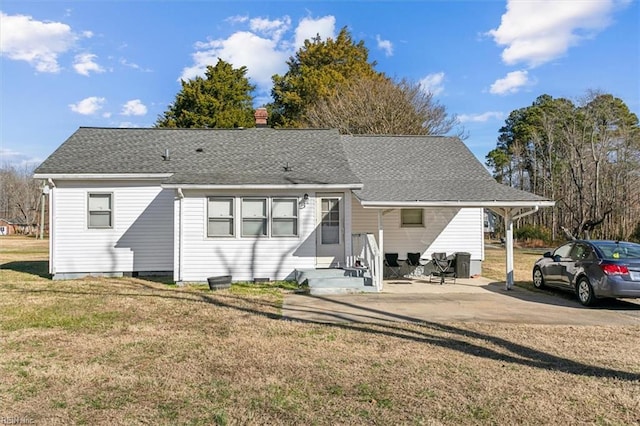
(330, 186)
(459, 204)
(102, 176)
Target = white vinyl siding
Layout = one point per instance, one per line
(100, 211)
(244, 258)
(446, 229)
(140, 238)
(221, 217)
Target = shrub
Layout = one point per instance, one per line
(531, 232)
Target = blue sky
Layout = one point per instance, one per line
(119, 63)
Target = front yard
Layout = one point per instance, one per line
(131, 351)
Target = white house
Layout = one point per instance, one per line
(262, 202)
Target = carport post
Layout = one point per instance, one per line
(509, 217)
(508, 233)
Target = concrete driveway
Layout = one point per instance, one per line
(468, 300)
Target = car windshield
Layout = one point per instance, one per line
(618, 250)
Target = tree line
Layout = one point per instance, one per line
(583, 155)
(20, 197)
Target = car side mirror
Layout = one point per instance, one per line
(547, 254)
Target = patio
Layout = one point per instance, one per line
(468, 300)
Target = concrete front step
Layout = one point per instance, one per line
(335, 281)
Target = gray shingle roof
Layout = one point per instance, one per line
(207, 156)
(423, 168)
(390, 168)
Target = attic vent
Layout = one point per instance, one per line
(166, 156)
(287, 168)
(199, 150)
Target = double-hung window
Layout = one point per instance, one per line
(100, 210)
(220, 217)
(284, 217)
(254, 217)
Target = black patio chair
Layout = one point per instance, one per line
(413, 259)
(442, 267)
(391, 262)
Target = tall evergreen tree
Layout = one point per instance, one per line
(314, 73)
(220, 100)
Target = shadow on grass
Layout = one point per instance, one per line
(35, 267)
(516, 353)
(446, 336)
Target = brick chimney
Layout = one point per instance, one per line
(261, 115)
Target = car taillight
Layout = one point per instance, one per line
(610, 269)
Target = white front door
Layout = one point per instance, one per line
(330, 230)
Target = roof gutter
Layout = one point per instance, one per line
(266, 186)
(459, 204)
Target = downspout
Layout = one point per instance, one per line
(52, 234)
(508, 230)
(180, 233)
(381, 248)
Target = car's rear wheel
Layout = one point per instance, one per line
(538, 279)
(585, 293)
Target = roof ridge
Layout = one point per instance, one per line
(402, 136)
(208, 128)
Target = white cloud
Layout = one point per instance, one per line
(385, 45)
(433, 83)
(511, 83)
(37, 42)
(536, 32)
(263, 49)
(88, 106)
(260, 55)
(18, 159)
(85, 63)
(133, 65)
(127, 125)
(134, 107)
(237, 19)
(274, 29)
(309, 28)
(480, 118)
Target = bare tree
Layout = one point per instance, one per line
(381, 106)
(20, 196)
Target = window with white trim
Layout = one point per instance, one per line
(220, 216)
(284, 217)
(411, 218)
(100, 210)
(254, 217)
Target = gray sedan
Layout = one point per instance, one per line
(593, 269)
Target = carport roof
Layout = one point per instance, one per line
(417, 171)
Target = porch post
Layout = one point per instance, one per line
(508, 233)
(381, 246)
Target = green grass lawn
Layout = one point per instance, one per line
(132, 351)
